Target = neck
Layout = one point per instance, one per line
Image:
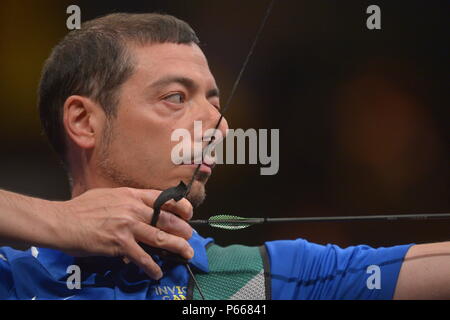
(84, 178)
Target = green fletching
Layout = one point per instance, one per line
(228, 222)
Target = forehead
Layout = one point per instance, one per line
(158, 60)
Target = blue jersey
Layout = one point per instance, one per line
(299, 270)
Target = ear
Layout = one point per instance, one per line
(83, 120)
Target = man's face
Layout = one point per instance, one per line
(170, 88)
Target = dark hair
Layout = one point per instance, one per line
(94, 62)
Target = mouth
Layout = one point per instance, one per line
(209, 161)
(206, 166)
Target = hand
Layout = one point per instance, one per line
(111, 222)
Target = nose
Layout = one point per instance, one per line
(223, 126)
(211, 116)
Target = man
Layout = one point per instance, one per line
(110, 96)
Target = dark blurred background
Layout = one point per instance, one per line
(363, 114)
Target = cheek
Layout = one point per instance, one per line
(141, 142)
(144, 134)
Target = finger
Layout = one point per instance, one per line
(142, 259)
(182, 208)
(157, 238)
(172, 224)
(167, 221)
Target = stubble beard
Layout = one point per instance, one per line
(111, 171)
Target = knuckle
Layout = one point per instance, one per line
(126, 207)
(173, 219)
(160, 238)
(105, 196)
(141, 209)
(131, 206)
(129, 192)
(121, 241)
(126, 222)
(153, 193)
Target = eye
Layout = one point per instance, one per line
(176, 98)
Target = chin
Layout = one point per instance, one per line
(197, 194)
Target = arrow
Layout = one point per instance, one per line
(230, 222)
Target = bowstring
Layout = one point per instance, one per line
(225, 108)
(233, 91)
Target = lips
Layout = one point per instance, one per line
(209, 161)
(209, 167)
(206, 166)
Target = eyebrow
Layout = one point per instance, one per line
(184, 81)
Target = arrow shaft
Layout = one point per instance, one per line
(424, 216)
(252, 221)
